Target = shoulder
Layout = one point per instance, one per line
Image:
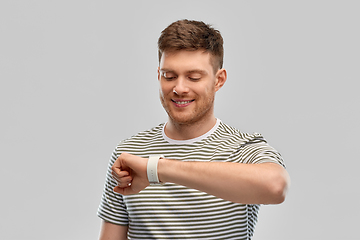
(150, 133)
(141, 139)
(226, 131)
(252, 147)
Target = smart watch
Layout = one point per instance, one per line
(152, 173)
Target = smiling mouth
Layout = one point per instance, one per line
(182, 102)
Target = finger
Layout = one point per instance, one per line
(124, 181)
(116, 164)
(119, 174)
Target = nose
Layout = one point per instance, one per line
(180, 87)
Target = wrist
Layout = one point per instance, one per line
(152, 169)
(160, 168)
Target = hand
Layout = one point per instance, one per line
(129, 171)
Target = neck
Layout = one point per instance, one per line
(185, 131)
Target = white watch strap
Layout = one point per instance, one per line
(152, 173)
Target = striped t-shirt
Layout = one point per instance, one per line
(171, 211)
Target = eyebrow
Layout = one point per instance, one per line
(198, 71)
(188, 72)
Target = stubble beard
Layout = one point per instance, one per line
(198, 115)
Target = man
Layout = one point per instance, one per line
(193, 177)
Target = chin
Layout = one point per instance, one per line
(182, 120)
(188, 116)
(187, 119)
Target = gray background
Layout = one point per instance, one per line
(79, 76)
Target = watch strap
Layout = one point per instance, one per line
(152, 173)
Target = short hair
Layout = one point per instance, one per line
(192, 35)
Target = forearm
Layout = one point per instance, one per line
(264, 183)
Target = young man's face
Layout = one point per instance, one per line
(188, 85)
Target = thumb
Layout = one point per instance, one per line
(125, 191)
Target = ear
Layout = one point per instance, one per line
(221, 77)
(158, 73)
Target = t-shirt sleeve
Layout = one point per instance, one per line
(259, 152)
(112, 208)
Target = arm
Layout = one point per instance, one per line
(264, 183)
(111, 231)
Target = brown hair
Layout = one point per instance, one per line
(192, 35)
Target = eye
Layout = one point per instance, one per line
(194, 77)
(168, 75)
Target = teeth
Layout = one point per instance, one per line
(182, 102)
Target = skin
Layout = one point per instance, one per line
(189, 76)
(111, 231)
(188, 85)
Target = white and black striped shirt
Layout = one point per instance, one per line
(172, 211)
